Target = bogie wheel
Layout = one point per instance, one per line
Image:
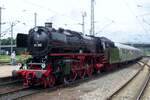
(89, 71)
(82, 74)
(71, 77)
(51, 80)
(28, 80)
(44, 82)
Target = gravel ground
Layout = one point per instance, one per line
(110, 84)
(131, 91)
(6, 70)
(146, 95)
(98, 89)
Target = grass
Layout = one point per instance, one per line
(22, 58)
(7, 58)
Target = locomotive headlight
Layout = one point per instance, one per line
(19, 65)
(43, 65)
(36, 29)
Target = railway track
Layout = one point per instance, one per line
(9, 80)
(134, 88)
(74, 83)
(25, 91)
(19, 92)
(141, 92)
(145, 93)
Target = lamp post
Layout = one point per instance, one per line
(35, 19)
(11, 26)
(83, 23)
(92, 31)
(0, 26)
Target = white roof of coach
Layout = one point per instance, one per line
(119, 45)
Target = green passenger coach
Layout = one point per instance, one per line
(122, 53)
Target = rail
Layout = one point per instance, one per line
(123, 86)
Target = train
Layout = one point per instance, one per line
(62, 55)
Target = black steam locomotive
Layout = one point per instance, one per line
(43, 40)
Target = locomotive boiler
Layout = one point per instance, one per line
(64, 55)
(43, 40)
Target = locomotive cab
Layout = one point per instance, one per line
(107, 47)
(22, 37)
(105, 44)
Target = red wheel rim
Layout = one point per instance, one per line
(44, 83)
(73, 76)
(28, 82)
(89, 71)
(51, 81)
(81, 74)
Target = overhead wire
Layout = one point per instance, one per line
(48, 9)
(142, 15)
(134, 15)
(7, 31)
(105, 26)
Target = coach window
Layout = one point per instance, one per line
(104, 47)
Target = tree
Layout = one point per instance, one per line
(7, 41)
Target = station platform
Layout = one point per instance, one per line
(6, 70)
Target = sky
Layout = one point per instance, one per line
(119, 20)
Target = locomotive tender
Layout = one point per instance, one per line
(65, 55)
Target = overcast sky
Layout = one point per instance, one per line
(119, 20)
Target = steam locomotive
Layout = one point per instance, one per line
(65, 55)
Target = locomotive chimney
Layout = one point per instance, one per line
(48, 24)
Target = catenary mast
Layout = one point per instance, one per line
(92, 31)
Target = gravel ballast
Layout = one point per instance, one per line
(98, 89)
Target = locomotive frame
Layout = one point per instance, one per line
(81, 65)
